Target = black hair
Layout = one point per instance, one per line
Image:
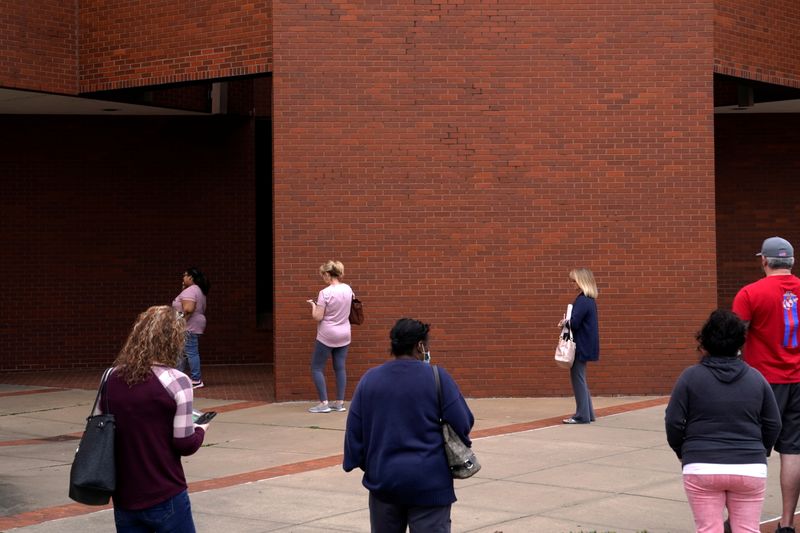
(722, 334)
(406, 334)
(199, 279)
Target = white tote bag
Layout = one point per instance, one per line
(565, 351)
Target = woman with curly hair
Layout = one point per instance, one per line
(152, 404)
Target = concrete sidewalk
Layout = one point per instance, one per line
(275, 467)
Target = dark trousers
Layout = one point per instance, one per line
(584, 410)
(392, 518)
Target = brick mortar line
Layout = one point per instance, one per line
(26, 392)
(552, 421)
(489, 432)
(75, 436)
(70, 510)
(43, 440)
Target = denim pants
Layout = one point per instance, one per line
(191, 353)
(170, 516)
(709, 494)
(318, 360)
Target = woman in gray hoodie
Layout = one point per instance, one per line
(721, 421)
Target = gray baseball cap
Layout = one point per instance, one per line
(776, 247)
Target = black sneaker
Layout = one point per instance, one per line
(787, 529)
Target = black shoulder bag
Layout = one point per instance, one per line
(93, 476)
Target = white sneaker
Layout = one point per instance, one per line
(338, 407)
(321, 408)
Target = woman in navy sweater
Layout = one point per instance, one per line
(721, 420)
(585, 331)
(393, 435)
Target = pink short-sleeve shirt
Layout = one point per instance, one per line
(334, 328)
(197, 320)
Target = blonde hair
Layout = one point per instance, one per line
(334, 268)
(585, 280)
(157, 337)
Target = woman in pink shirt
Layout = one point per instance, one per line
(331, 310)
(191, 302)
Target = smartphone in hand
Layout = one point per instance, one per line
(205, 418)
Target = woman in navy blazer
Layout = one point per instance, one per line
(583, 324)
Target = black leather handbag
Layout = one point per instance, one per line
(92, 478)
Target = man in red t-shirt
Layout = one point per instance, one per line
(770, 306)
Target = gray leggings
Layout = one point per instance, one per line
(318, 360)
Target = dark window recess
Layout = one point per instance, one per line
(263, 169)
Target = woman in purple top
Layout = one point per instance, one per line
(331, 310)
(192, 303)
(152, 404)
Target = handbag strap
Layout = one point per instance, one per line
(100, 389)
(438, 391)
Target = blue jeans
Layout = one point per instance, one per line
(170, 516)
(191, 353)
(318, 360)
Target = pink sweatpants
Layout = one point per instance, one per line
(709, 494)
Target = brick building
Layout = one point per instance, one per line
(459, 156)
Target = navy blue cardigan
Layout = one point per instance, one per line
(393, 433)
(585, 329)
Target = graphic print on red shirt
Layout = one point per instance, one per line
(772, 347)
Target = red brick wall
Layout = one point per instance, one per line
(132, 43)
(757, 162)
(758, 39)
(100, 216)
(461, 157)
(38, 45)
